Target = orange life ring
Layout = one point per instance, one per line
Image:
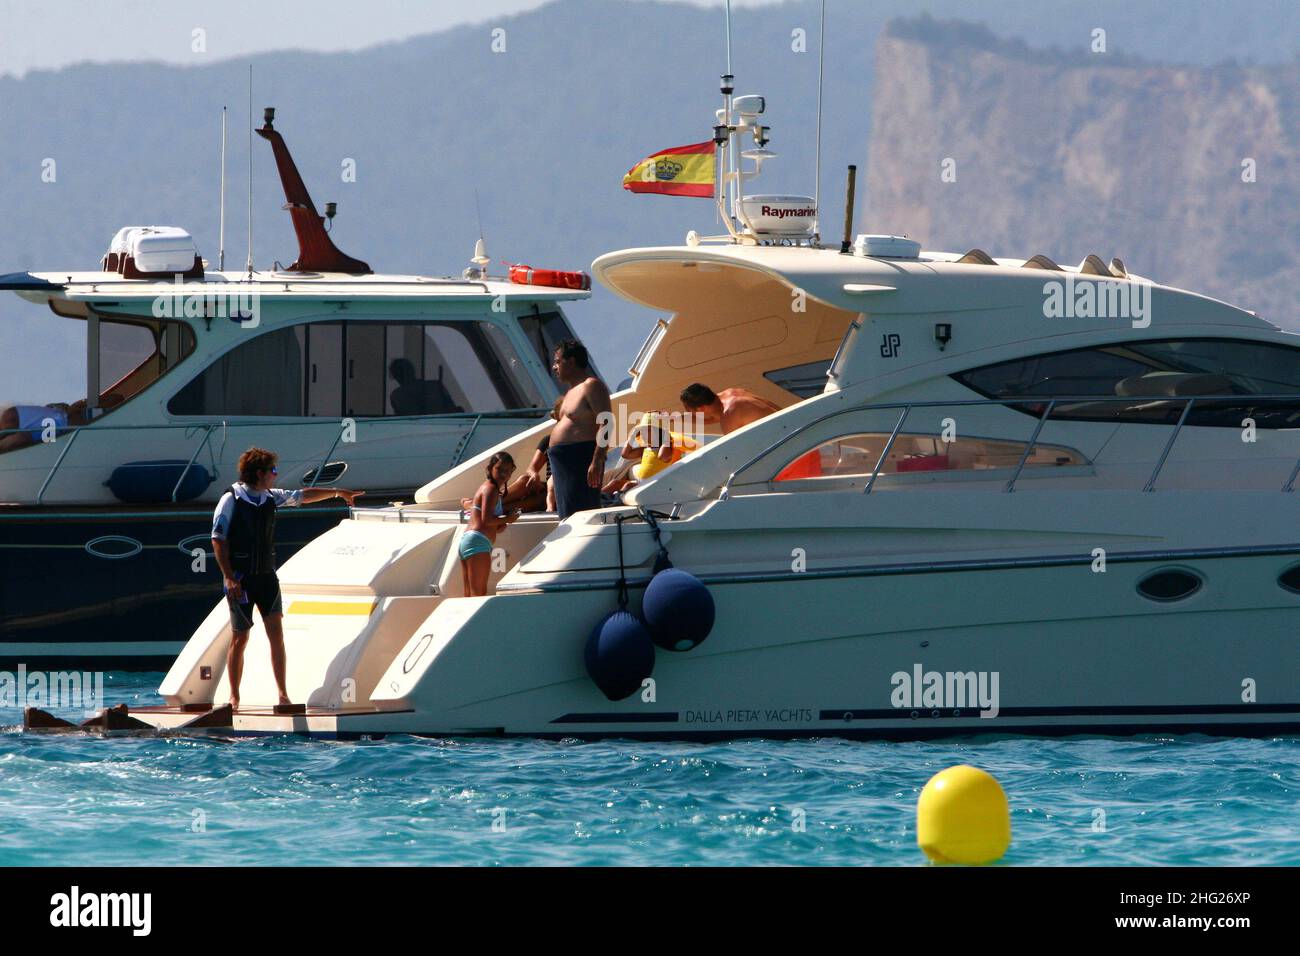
(527, 275)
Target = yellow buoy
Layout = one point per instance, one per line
(962, 817)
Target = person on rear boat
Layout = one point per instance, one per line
(243, 540)
(487, 516)
(732, 408)
(650, 448)
(579, 444)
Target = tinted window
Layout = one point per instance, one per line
(367, 369)
(365, 373)
(518, 379)
(803, 380)
(1155, 375)
(263, 376)
(324, 353)
(857, 455)
(452, 364)
(406, 392)
(135, 353)
(545, 331)
(122, 349)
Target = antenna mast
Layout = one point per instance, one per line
(250, 172)
(732, 162)
(817, 172)
(221, 231)
(729, 36)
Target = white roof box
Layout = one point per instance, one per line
(779, 215)
(886, 247)
(151, 250)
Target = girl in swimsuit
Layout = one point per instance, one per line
(487, 516)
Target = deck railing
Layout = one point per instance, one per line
(73, 432)
(1050, 403)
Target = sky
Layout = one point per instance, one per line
(48, 34)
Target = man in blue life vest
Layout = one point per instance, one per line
(243, 540)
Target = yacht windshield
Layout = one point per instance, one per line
(1157, 376)
(546, 330)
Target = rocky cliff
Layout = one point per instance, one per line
(1191, 175)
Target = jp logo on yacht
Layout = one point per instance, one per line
(945, 690)
(1071, 298)
(218, 300)
(83, 690)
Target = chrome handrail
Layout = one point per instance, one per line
(75, 430)
(1029, 446)
(884, 454)
(315, 475)
(533, 411)
(464, 441)
(50, 477)
(1169, 446)
(1052, 402)
(190, 464)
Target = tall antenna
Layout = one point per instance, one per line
(221, 231)
(729, 36)
(732, 163)
(250, 172)
(817, 172)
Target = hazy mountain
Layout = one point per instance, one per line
(1067, 155)
(545, 130)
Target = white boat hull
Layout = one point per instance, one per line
(1034, 646)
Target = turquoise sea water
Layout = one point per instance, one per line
(81, 800)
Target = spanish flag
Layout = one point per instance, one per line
(680, 171)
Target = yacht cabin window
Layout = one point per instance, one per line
(366, 369)
(804, 380)
(136, 352)
(546, 330)
(855, 456)
(1155, 375)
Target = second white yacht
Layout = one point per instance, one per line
(355, 378)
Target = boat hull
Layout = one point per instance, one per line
(117, 589)
(1048, 649)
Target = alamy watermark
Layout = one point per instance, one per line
(616, 426)
(945, 690)
(1074, 298)
(218, 300)
(83, 690)
(75, 908)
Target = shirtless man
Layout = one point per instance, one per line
(732, 407)
(576, 452)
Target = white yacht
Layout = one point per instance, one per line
(358, 379)
(1032, 498)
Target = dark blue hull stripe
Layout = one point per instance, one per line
(845, 715)
(909, 732)
(661, 717)
(1121, 710)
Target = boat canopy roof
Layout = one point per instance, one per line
(81, 286)
(928, 283)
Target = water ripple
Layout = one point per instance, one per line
(288, 801)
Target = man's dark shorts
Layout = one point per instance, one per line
(262, 590)
(569, 463)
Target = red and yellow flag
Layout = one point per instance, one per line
(680, 171)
